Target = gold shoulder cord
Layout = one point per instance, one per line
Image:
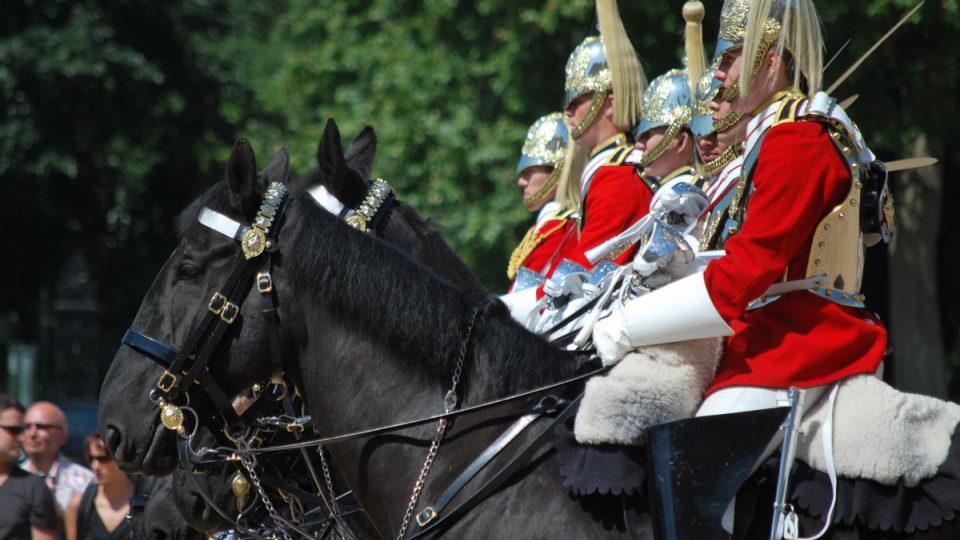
(531, 240)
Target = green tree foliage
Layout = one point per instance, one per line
(107, 114)
(451, 88)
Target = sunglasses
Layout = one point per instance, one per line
(40, 427)
(15, 431)
(105, 458)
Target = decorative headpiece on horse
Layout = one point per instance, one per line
(602, 64)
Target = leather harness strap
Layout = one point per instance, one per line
(521, 460)
(432, 511)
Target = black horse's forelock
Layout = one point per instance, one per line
(384, 295)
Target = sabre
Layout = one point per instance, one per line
(910, 163)
(845, 104)
(876, 45)
(836, 54)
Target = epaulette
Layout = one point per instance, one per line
(789, 110)
(619, 155)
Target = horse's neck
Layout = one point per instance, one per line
(374, 388)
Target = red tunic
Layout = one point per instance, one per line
(559, 238)
(801, 339)
(616, 198)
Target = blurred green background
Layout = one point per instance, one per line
(113, 115)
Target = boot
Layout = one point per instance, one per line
(695, 467)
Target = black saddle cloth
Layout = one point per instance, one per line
(896, 508)
(599, 469)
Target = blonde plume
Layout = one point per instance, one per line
(800, 34)
(629, 81)
(568, 187)
(693, 13)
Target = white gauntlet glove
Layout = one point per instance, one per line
(680, 311)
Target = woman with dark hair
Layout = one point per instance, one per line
(100, 512)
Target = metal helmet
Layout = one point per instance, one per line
(586, 71)
(546, 142)
(733, 25)
(604, 64)
(702, 124)
(667, 102)
(707, 87)
(758, 25)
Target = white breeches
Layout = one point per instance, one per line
(752, 398)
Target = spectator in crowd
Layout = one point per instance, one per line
(46, 432)
(26, 506)
(99, 513)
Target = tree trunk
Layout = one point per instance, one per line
(918, 363)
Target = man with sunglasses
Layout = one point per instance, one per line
(45, 434)
(26, 505)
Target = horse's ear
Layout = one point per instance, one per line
(360, 153)
(242, 177)
(278, 170)
(330, 152)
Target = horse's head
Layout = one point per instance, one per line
(190, 318)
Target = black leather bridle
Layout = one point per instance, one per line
(188, 366)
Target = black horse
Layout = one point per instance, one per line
(159, 518)
(344, 175)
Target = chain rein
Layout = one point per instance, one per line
(450, 400)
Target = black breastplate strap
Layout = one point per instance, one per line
(432, 511)
(521, 460)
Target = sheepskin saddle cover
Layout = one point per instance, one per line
(649, 386)
(880, 433)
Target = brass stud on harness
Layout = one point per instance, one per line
(240, 488)
(171, 416)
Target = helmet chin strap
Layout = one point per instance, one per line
(673, 131)
(712, 168)
(726, 123)
(599, 98)
(544, 190)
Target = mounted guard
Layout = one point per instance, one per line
(809, 197)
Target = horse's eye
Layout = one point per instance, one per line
(188, 271)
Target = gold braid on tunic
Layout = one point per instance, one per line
(530, 242)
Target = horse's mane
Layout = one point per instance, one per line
(434, 246)
(379, 292)
(382, 293)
